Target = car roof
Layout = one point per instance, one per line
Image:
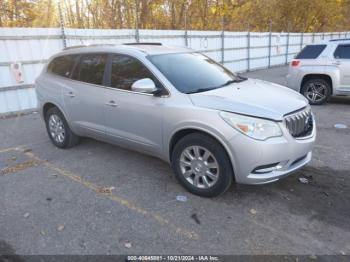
(340, 40)
(144, 48)
(332, 41)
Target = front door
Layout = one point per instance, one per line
(133, 119)
(342, 61)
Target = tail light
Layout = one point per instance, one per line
(295, 63)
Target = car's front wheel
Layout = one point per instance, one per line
(58, 130)
(316, 90)
(202, 165)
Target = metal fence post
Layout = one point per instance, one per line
(223, 41)
(287, 45)
(248, 48)
(137, 34)
(186, 33)
(64, 39)
(301, 40)
(270, 42)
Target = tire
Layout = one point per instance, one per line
(316, 90)
(206, 187)
(68, 139)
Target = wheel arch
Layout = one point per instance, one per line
(308, 77)
(48, 105)
(189, 130)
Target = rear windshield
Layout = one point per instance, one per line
(310, 52)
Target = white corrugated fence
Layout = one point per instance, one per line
(238, 51)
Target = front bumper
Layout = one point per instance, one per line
(260, 162)
(293, 81)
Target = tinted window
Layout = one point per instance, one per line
(193, 72)
(310, 52)
(91, 69)
(62, 65)
(342, 52)
(126, 70)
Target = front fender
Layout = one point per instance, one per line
(213, 125)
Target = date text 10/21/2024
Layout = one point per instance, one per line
(173, 258)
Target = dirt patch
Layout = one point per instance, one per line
(18, 167)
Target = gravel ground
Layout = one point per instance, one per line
(101, 199)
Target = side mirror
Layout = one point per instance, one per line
(144, 85)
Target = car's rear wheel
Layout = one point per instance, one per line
(201, 165)
(316, 90)
(58, 129)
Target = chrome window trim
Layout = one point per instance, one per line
(105, 87)
(108, 87)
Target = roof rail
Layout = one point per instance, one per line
(144, 43)
(87, 45)
(74, 46)
(340, 39)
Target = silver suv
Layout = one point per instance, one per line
(321, 70)
(213, 126)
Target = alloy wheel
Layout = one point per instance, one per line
(56, 128)
(316, 91)
(199, 167)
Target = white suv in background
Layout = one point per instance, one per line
(321, 70)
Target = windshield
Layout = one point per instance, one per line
(193, 72)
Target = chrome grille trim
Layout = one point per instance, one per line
(300, 123)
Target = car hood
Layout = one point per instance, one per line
(252, 97)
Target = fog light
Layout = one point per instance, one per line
(269, 168)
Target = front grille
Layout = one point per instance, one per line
(300, 123)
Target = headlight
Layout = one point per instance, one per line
(256, 128)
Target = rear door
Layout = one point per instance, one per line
(84, 97)
(342, 61)
(62, 67)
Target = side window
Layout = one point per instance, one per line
(62, 65)
(310, 52)
(126, 70)
(342, 52)
(91, 69)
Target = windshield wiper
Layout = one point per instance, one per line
(237, 80)
(229, 82)
(199, 90)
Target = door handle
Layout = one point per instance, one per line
(70, 94)
(336, 63)
(111, 103)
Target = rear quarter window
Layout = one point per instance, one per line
(310, 52)
(62, 65)
(342, 52)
